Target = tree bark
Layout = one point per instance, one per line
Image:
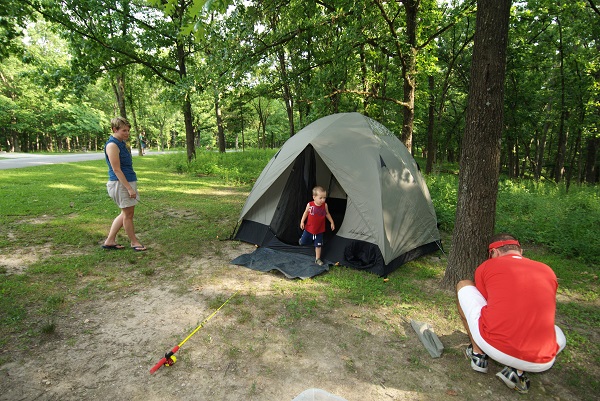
(559, 165)
(119, 89)
(136, 127)
(287, 93)
(591, 160)
(409, 72)
(431, 148)
(220, 129)
(480, 157)
(187, 106)
(541, 145)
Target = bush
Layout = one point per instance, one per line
(536, 212)
(443, 189)
(240, 168)
(545, 213)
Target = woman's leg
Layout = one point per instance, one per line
(128, 225)
(114, 229)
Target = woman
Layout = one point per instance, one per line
(121, 185)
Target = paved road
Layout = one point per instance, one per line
(18, 160)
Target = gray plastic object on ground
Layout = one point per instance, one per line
(315, 394)
(429, 339)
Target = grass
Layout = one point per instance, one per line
(62, 212)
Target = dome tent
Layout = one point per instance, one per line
(375, 192)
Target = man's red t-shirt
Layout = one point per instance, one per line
(521, 304)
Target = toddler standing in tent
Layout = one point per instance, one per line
(314, 215)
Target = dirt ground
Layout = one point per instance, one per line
(103, 349)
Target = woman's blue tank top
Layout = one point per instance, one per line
(124, 157)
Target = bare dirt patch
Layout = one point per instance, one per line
(18, 261)
(257, 347)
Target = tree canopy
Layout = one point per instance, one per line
(190, 72)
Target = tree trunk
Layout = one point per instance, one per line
(242, 120)
(510, 154)
(136, 128)
(189, 129)
(480, 157)
(187, 106)
(220, 129)
(574, 158)
(541, 145)
(562, 135)
(409, 62)
(431, 148)
(287, 93)
(119, 89)
(591, 160)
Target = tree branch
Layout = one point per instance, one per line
(594, 7)
(368, 95)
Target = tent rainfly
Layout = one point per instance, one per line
(376, 195)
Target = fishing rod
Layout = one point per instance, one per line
(169, 358)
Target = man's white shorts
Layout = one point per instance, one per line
(120, 195)
(471, 301)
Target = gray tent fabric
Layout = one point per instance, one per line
(292, 265)
(375, 192)
(430, 340)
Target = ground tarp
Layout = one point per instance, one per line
(292, 265)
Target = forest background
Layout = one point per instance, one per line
(240, 74)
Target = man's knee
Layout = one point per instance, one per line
(464, 283)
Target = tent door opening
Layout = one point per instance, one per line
(308, 171)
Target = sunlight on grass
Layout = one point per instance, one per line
(67, 187)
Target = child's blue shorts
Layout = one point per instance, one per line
(308, 238)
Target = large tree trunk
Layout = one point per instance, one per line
(480, 157)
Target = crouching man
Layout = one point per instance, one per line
(508, 313)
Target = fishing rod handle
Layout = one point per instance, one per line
(164, 359)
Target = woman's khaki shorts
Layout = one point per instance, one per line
(120, 195)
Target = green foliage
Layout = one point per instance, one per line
(536, 212)
(233, 167)
(543, 213)
(443, 190)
